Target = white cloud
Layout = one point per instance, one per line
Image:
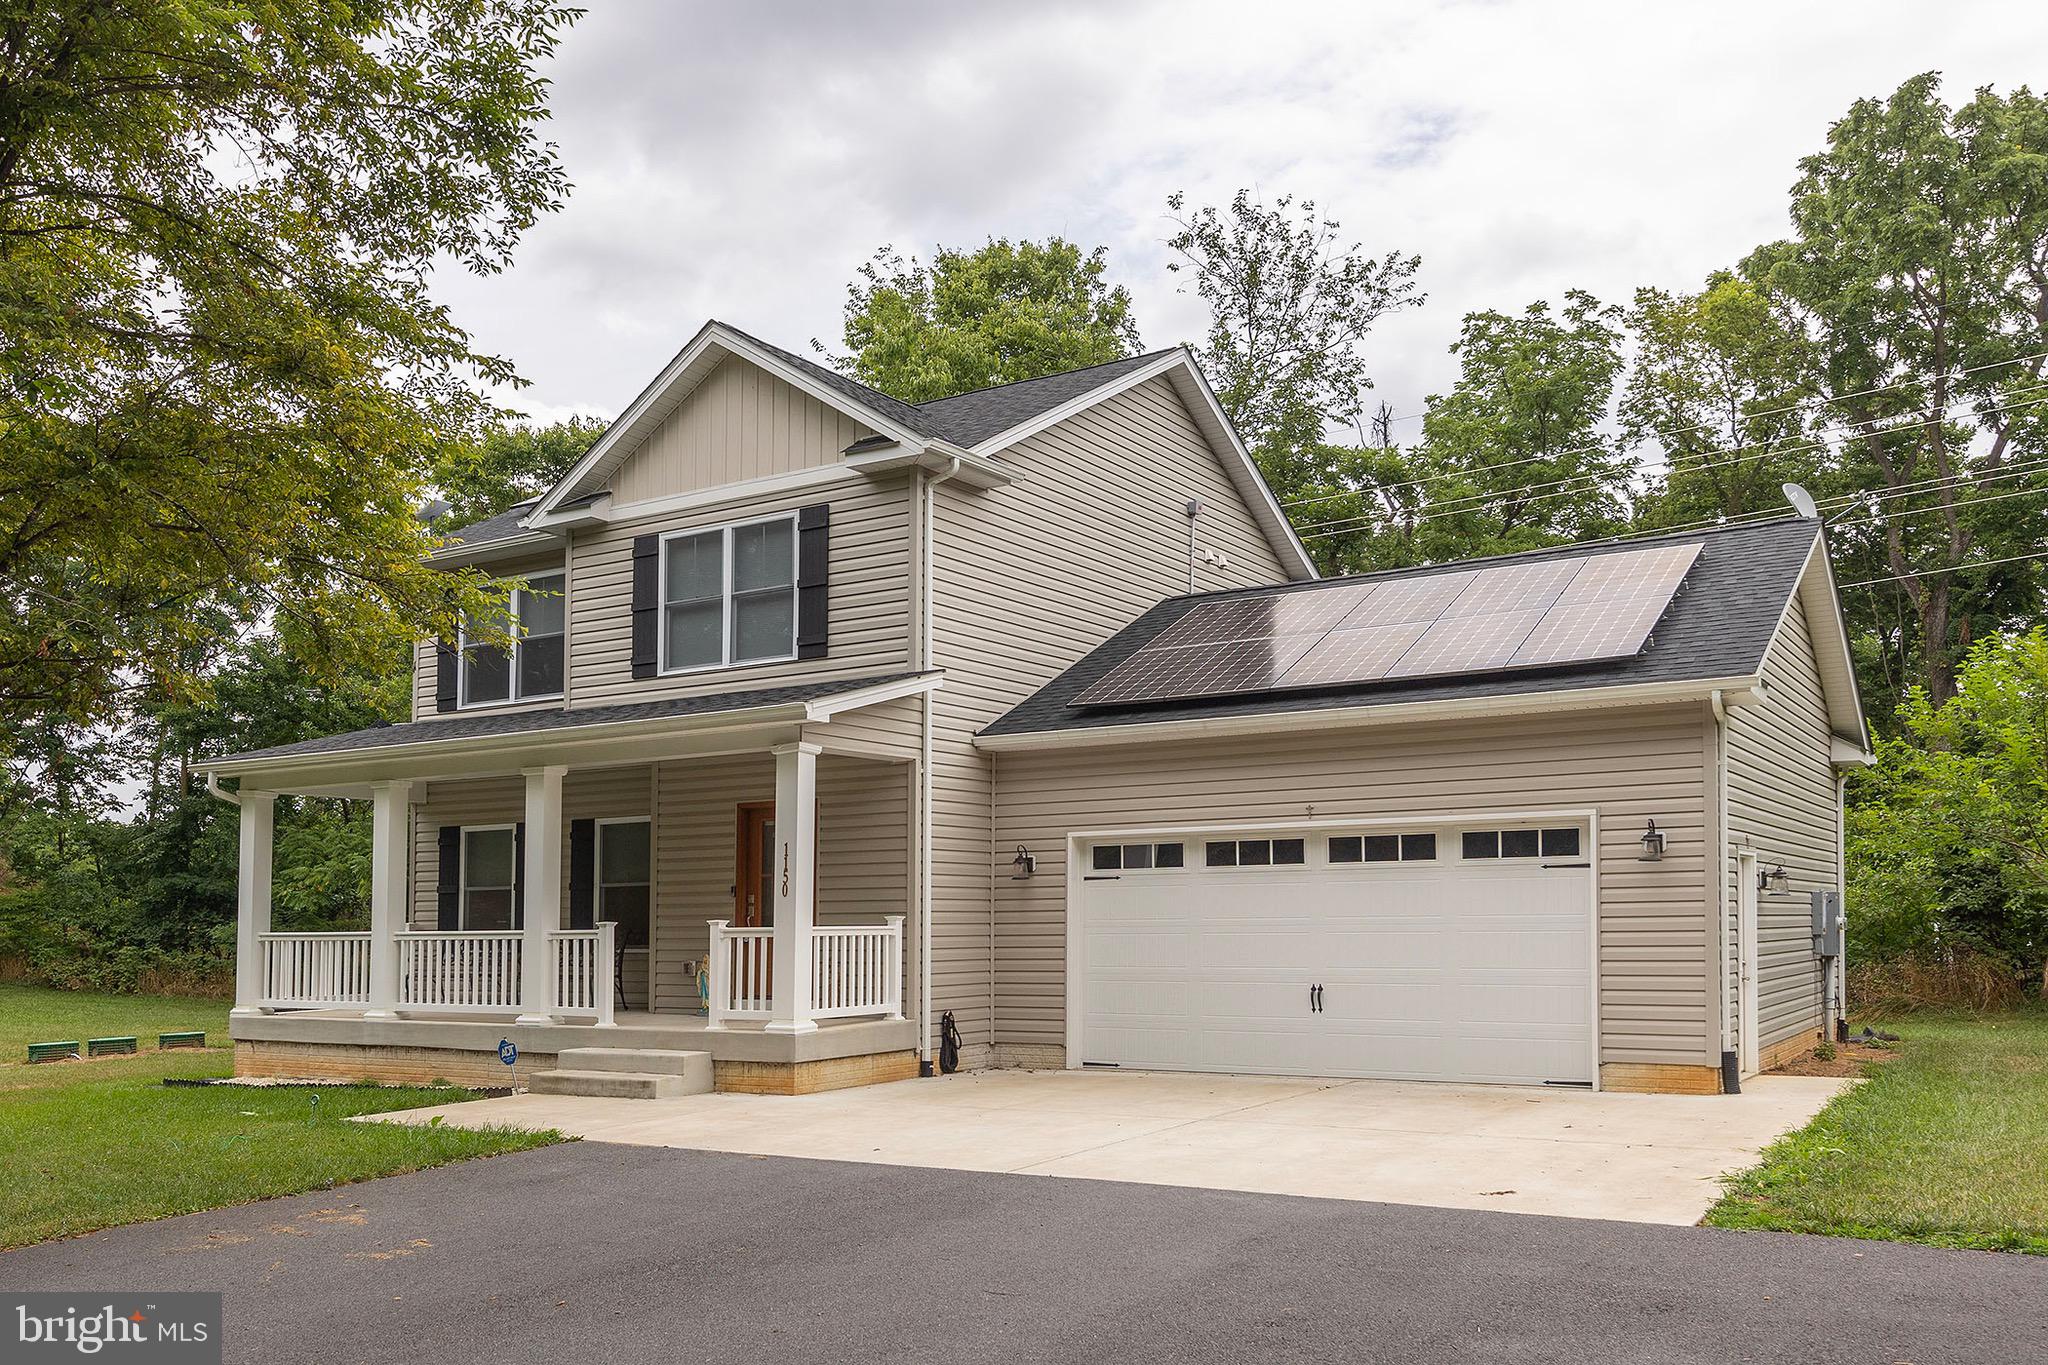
(740, 161)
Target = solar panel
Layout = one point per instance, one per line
(1501, 616)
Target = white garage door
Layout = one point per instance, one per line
(1450, 953)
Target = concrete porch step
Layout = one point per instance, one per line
(693, 1067)
(615, 1085)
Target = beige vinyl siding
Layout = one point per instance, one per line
(1782, 801)
(1026, 580)
(423, 664)
(863, 852)
(740, 423)
(869, 597)
(1631, 765)
(587, 794)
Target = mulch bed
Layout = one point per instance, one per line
(1849, 1060)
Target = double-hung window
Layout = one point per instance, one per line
(490, 876)
(531, 668)
(624, 878)
(728, 596)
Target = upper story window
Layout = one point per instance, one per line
(728, 595)
(532, 667)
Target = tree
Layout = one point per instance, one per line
(509, 464)
(1950, 843)
(1724, 391)
(1515, 456)
(972, 319)
(224, 378)
(1289, 309)
(1918, 273)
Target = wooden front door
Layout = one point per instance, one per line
(753, 887)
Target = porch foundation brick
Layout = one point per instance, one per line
(385, 1065)
(1660, 1078)
(810, 1078)
(1030, 1057)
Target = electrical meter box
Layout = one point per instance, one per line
(1827, 924)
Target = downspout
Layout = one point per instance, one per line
(1841, 981)
(926, 483)
(219, 793)
(1731, 1066)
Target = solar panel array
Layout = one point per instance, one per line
(1502, 616)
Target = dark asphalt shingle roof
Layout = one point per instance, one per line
(1718, 626)
(501, 527)
(478, 724)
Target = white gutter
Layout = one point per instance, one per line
(219, 793)
(926, 483)
(1393, 713)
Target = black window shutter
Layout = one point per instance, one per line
(448, 885)
(582, 874)
(646, 605)
(813, 580)
(519, 875)
(444, 676)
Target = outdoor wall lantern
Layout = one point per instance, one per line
(1653, 845)
(1777, 881)
(1024, 863)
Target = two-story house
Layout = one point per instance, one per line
(831, 719)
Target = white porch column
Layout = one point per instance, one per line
(390, 843)
(796, 844)
(252, 898)
(542, 880)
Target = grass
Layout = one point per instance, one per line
(92, 1144)
(1946, 1145)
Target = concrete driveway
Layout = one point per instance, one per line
(1633, 1158)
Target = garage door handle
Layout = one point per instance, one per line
(1315, 999)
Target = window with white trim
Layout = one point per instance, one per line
(625, 878)
(530, 669)
(728, 595)
(490, 876)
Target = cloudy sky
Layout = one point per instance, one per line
(739, 160)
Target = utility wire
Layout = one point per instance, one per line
(1471, 502)
(1677, 431)
(1960, 568)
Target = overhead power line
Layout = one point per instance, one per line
(1679, 431)
(1960, 568)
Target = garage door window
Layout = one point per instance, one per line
(1257, 852)
(1521, 843)
(1382, 848)
(1135, 857)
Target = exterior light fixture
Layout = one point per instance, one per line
(1653, 845)
(1777, 881)
(1024, 863)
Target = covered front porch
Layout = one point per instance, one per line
(670, 889)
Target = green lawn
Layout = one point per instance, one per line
(91, 1144)
(1947, 1144)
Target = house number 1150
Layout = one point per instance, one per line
(785, 871)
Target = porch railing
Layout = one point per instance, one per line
(581, 971)
(459, 971)
(303, 971)
(742, 973)
(856, 969)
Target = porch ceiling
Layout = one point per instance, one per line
(502, 742)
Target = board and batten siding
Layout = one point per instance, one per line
(1782, 803)
(740, 423)
(1632, 765)
(869, 595)
(1026, 579)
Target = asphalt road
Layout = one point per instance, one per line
(587, 1252)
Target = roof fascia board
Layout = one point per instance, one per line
(938, 457)
(1834, 641)
(1837, 638)
(1737, 690)
(1193, 387)
(596, 513)
(619, 437)
(504, 548)
(823, 709)
(725, 494)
